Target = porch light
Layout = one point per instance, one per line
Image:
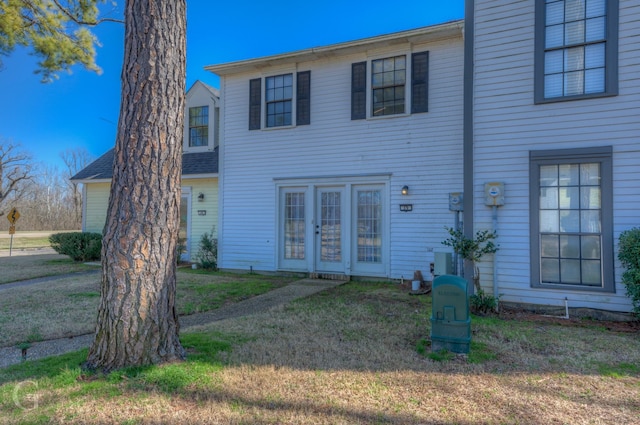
(405, 190)
(200, 197)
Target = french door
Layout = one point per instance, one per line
(334, 229)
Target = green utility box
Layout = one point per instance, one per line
(450, 319)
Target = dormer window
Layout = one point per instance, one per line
(199, 126)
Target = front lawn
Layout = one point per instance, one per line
(355, 354)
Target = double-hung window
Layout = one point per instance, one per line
(279, 95)
(571, 219)
(576, 49)
(390, 86)
(199, 126)
(278, 101)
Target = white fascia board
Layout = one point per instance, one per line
(415, 36)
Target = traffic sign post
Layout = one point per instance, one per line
(13, 216)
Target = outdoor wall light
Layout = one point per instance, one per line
(200, 197)
(405, 190)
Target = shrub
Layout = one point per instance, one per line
(482, 303)
(79, 246)
(629, 256)
(208, 252)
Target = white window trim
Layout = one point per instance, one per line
(263, 99)
(407, 84)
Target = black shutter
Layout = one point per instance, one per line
(255, 103)
(419, 82)
(359, 91)
(303, 99)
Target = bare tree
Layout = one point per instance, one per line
(15, 171)
(75, 160)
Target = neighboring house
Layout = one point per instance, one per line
(199, 206)
(556, 102)
(317, 146)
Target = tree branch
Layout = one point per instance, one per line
(83, 22)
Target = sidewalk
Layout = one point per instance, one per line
(26, 251)
(258, 304)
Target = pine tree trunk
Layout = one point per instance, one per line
(137, 319)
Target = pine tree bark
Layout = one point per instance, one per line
(137, 318)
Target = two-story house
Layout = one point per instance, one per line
(339, 160)
(199, 199)
(343, 159)
(554, 90)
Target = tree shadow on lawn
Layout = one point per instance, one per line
(355, 341)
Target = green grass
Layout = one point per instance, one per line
(198, 292)
(619, 370)
(64, 374)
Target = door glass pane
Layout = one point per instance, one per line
(294, 226)
(184, 220)
(369, 226)
(330, 227)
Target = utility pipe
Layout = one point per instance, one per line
(495, 258)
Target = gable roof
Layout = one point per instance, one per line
(193, 163)
(212, 90)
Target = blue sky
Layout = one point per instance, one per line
(81, 109)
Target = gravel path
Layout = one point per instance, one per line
(258, 304)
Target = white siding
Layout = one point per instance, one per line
(423, 151)
(507, 125)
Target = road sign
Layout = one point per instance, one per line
(12, 230)
(13, 215)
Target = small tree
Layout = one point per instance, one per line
(629, 256)
(472, 249)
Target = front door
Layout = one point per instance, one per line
(329, 230)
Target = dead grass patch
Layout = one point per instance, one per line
(17, 268)
(68, 307)
(348, 356)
